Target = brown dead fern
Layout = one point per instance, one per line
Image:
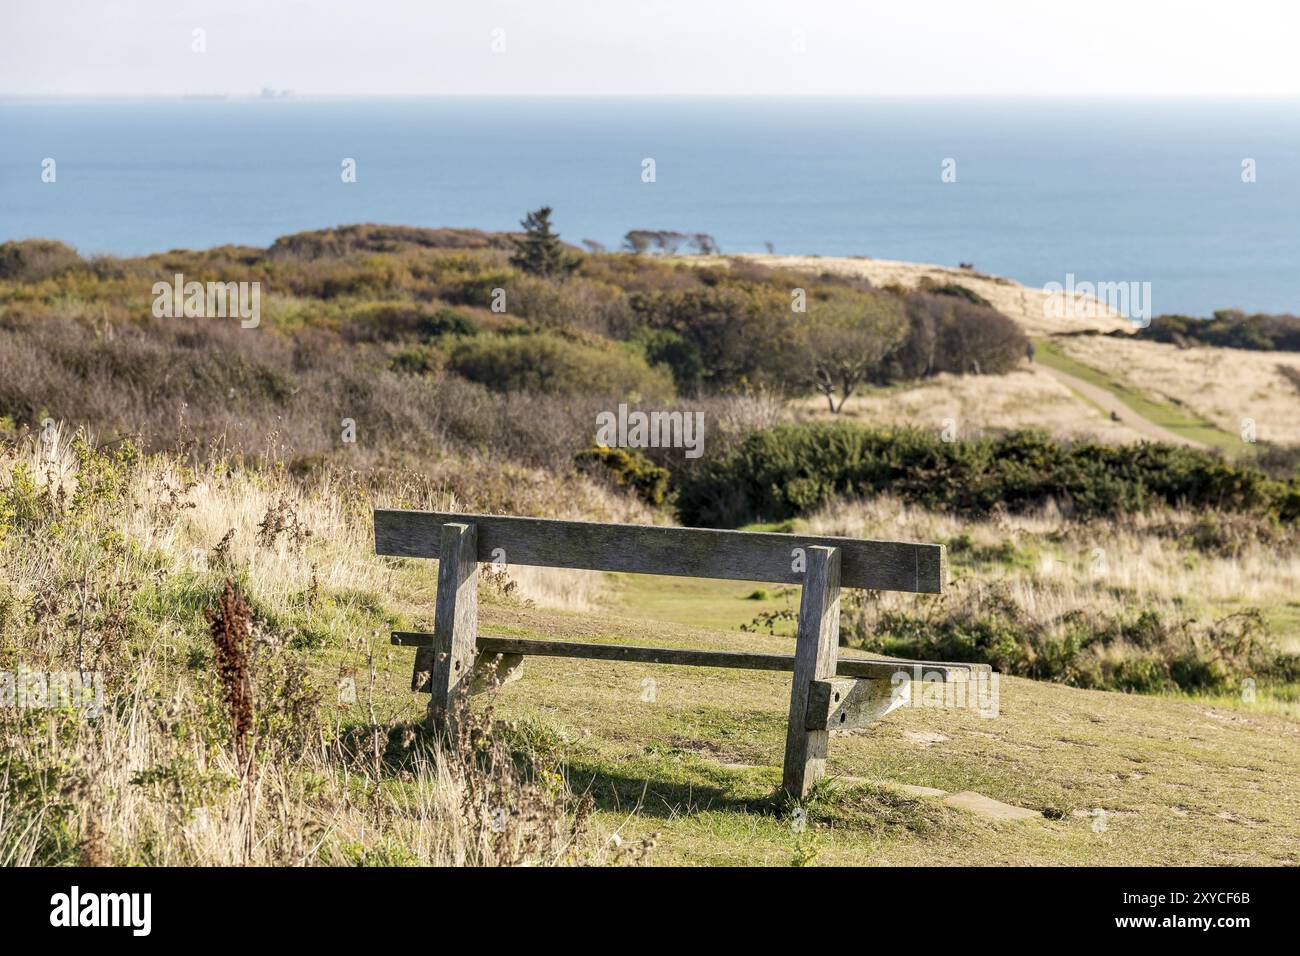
(232, 644)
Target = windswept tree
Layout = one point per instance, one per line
(638, 240)
(540, 251)
(667, 241)
(844, 341)
(704, 243)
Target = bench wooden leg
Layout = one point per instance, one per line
(455, 622)
(816, 649)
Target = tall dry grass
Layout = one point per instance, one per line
(1225, 386)
(1165, 559)
(1163, 601)
(108, 561)
(135, 787)
(1036, 311)
(972, 405)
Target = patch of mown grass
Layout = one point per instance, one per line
(700, 766)
(724, 605)
(877, 809)
(1179, 420)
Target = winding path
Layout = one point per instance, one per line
(1108, 402)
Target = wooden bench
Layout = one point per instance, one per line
(827, 691)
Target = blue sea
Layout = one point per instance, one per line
(1119, 190)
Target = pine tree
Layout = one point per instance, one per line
(540, 251)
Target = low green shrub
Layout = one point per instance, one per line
(789, 470)
(35, 259)
(550, 363)
(418, 360)
(1228, 328)
(629, 469)
(953, 289)
(385, 321)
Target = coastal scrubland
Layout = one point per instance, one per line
(185, 511)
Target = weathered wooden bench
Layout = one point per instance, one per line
(827, 692)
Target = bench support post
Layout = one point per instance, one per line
(455, 622)
(816, 649)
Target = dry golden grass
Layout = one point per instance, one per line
(1026, 398)
(1105, 568)
(561, 589)
(142, 792)
(1225, 386)
(116, 584)
(1032, 309)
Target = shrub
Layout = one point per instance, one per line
(629, 469)
(345, 241)
(578, 302)
(35, 259)
(476, 288)
(417, 360)
(953, 289)
(947, 334)
(450, 322)
(744, 334)
(1280, 461)
(549, 363)
(1228, 328)
(679, 354)
(1141, 651)
(788, 470)
(384, 321)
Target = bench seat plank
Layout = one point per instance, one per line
(845, 667)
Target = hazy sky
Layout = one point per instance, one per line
(935, 47)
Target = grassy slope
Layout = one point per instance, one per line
(721, 605)
(1180, 781)
(1181, 421)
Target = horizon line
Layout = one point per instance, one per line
(290, 95)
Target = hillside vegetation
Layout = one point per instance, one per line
(185, 511)
(110, 561)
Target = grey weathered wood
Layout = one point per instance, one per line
(449, 660)
(816, 649)
(747, 660)
(688, 552)
(455, 620)
(845, 703)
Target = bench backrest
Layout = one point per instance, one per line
(649, 549)
(447, 659)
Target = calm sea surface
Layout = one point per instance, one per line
(1146, 191)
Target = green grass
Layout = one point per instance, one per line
(1180, 421)
(721, 605)
(1182, 780)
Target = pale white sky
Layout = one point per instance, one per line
(926, 47)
